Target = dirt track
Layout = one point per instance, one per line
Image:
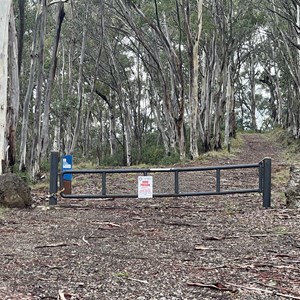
(216, 247)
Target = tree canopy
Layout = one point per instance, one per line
(125, 82)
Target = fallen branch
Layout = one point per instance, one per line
(138, 280)
(51, 245)
(219, 238)
(61, 296)
(110, 224)
(216, 286)
(179, 223)
(264, 291)
(107, 225)
(259, 235)
(264, 265)
(213, 268)
(201, 247)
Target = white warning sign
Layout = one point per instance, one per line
(145, 186)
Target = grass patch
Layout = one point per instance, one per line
(288, 143)
(281, 178)
(3, 210)
(281, 230)
(88, 165)
(40, 185)
(124, 274)
(235, 147)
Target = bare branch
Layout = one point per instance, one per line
(57, 1)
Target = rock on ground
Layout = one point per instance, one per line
(14, 192)
(293, 189)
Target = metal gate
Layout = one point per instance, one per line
(263, 179)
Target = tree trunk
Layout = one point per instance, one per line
(91, 100)
(4, 37)
(24, 130)
(50, 81)
(229, 109)
(14, 93)
(252, 94)
(21, 32)
(193, 53)
(80, 82)
(36, 140)
(67, 138)
(208, 92)
(155, 103)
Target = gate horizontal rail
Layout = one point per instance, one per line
(264, 181)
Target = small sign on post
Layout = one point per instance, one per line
(67, 162)
(145, 186)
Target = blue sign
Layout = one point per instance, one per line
(67, 162)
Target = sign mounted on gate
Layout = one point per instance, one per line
(67, 166)
(67, 163)
(145, 186)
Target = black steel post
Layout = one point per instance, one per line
(104, 183)
(176, 182)
(53, 177)
(267, 166)
(218, 180)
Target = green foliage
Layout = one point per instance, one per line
(155, 155)
(24, 176)
(152, 154)
(171, 159)
(114, 161)
(45, 165)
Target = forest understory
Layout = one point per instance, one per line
(208, 247)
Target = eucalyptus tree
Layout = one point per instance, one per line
(4, 38)
(50, 81)
(193, 45)
(9, 86)
(228, 27)
(282, 74)
(21, 31)
(34, 164)
(13, 94)
(155, 21)
(104, 74)
(23, 158)
(80, 83)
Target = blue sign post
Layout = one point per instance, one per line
(67, 163)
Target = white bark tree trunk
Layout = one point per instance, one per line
(14, 93)
(252, 94)
(4, 21)
(194, 77)
(50, 82)
(229, 108)
(36, 139)
(23, 147)
(80, 82)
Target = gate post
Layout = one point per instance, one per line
(267, 165)
(53, 177)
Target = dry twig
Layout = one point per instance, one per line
(86, 241)
(216, 286)
(51, 245)
(264, 291)
(138, 280)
